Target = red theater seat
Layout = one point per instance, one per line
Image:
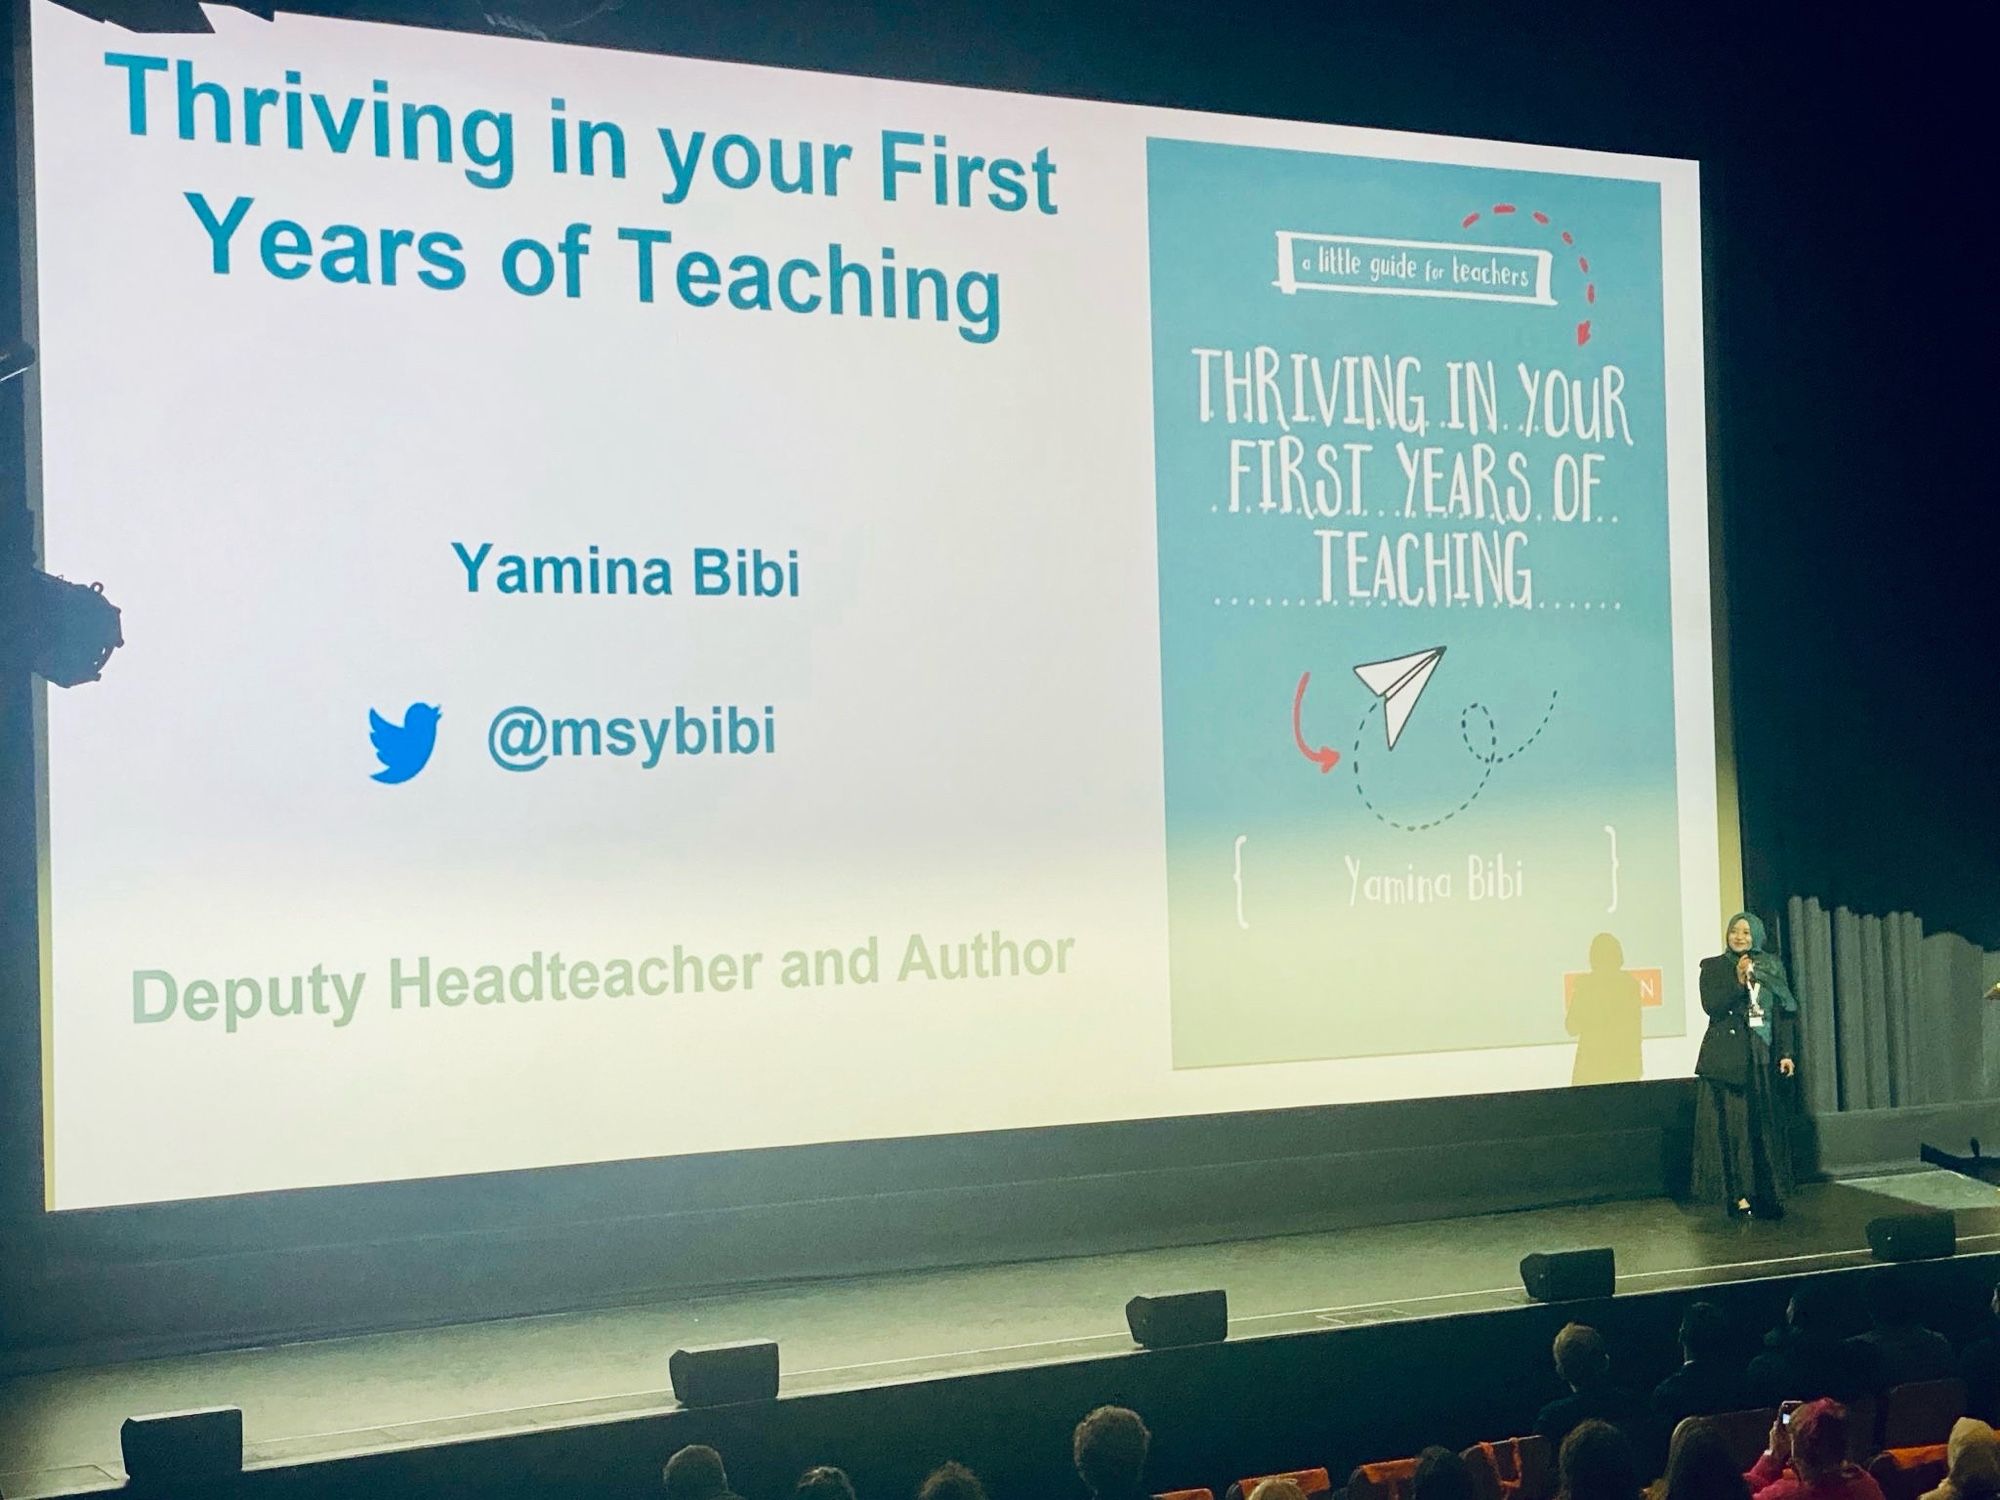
(1312, 1481)
(1520, 1468)
(1915, 1416)
(1185, 1495)
(1906, 1473)
(1383, 1481)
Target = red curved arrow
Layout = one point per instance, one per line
(1326, 756)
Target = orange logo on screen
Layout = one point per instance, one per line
(1652, 985)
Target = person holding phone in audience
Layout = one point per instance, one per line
(1807, 1458)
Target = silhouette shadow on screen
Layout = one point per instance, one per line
(1604, 1012)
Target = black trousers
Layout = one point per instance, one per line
(1742, 1143)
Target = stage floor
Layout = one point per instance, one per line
(59, 1430)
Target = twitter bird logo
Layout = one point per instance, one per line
(404, 749)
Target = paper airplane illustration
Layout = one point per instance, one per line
(1399, 683)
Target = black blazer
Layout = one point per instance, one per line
(1728, 1051)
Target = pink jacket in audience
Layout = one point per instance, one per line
(1774, 1479)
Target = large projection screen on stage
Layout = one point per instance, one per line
(674, 606)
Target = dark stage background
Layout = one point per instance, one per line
(1844, 174)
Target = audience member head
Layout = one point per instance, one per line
(1819, 1440)
(1995, 1303)
(1279, 1488)
(695, 1473)
(952, 1482)
(1807, 1311)
(1700, 1465)
(1892, 1301)
(1596, 1463)
(1441, 1475)
(1110, 1452)
(824, 1483)
(1974, 1454)
(1704, 1332)
(1581, 1358)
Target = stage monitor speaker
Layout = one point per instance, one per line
(724, 1374)
(178, 1452)
(1919, 1236)
(1569, 1275)
(1172, 1319)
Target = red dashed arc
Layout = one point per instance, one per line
(1582, 261)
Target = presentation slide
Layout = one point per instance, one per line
(674, 607)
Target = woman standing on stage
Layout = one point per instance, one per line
(1742, 1156)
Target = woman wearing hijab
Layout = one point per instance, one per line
(1741, 1156)
(1974, 1455)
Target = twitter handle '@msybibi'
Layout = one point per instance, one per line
(522, 738)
